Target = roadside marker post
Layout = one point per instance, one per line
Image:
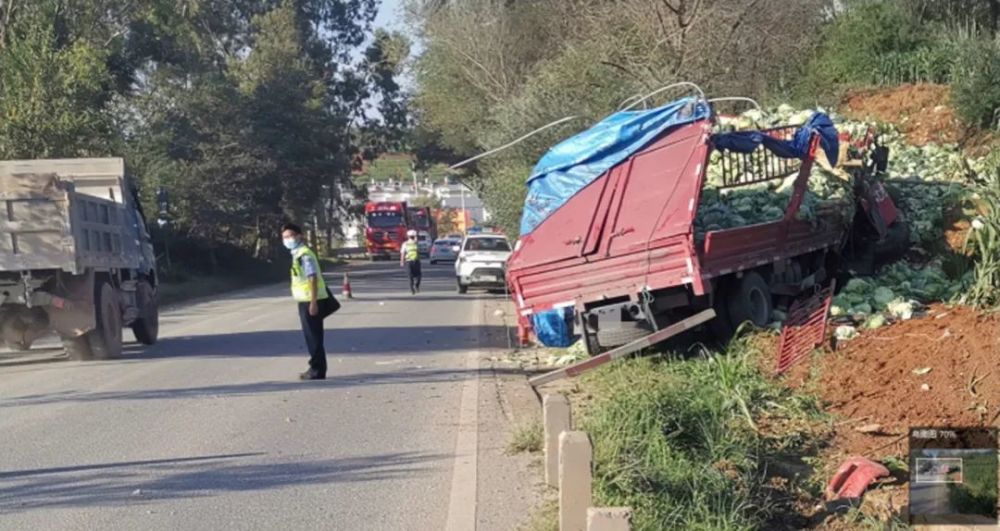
(556, 417)
(575, 458)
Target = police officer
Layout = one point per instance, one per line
(308, 288)
(409, 256)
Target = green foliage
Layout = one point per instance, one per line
(52, 97)
(984, 239)
(976, 83)
(867, 38)
(977, 494)
(678, 441)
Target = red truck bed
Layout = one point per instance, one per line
(632, 228)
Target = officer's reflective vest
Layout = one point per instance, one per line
(411, 251)
(301, 286)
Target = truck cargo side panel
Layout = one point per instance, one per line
(567, 230)
(732, 250)
(661, 193)
(619, 276)
(643, 209)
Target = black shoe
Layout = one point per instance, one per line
(310, 375)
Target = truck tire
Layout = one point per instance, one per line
(628, 332)
(146, 328)
(77, 348)
(106, 339)
(462, 288)
(750, 301)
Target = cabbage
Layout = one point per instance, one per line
(836, 310)
(862, 309)
(900, 309)
(883, 296)
(875, 321)
(845, 332)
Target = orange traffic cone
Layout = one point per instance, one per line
(347, 287)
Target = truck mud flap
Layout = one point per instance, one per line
(624, 350)
(71, 314)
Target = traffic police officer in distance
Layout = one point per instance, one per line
(409, 255)
(308, 288)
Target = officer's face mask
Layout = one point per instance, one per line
(290, 243)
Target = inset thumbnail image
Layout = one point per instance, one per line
(953, 486)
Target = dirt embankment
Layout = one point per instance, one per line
(922, 112)
(939, 370)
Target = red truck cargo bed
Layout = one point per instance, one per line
(632, 228)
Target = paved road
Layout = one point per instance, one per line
(210, 429)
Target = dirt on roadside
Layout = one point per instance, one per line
(938, 370)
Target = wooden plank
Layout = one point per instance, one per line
(624, 350)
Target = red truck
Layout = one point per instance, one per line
(386, 224)
(423, 219)
(622, 256)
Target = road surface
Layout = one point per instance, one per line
(210, 428)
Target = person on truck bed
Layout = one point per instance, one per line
(409, 256)
(308, 289)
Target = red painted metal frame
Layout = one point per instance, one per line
(804, 329)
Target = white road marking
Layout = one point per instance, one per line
(464, 483)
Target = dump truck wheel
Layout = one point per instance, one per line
(77, 348)
(106, 339)
(750, 301)
(627, 333)
(147, 327)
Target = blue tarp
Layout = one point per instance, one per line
(747, 141)
(554, 328)
(575, 162)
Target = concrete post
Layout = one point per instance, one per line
(609, 519)
(574, 480)
(556, 417)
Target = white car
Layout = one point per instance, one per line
(482, 262)
(424, 243)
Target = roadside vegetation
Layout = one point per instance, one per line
(527, 437)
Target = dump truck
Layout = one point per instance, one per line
(609, 244)
(76, 257)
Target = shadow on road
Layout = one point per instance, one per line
(401, 377)
(111, 484)
(382, 341)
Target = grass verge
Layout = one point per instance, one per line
(526, 437)
(695, 443)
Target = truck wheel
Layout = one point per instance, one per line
(750, 301)
(106, 340)
(462, 288)
(147, 327)
(627, 333)
(77, 348)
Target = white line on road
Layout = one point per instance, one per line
(462, 503)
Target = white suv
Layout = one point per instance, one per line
(482, 262)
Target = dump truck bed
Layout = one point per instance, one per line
(64, 215)
(631, 230)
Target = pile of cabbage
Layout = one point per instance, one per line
(937, 175)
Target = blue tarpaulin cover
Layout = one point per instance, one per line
(554, 328)
(747, 141)
(575, 162)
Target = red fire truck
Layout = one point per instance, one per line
(386, 224)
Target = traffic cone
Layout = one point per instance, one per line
(347, 287)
